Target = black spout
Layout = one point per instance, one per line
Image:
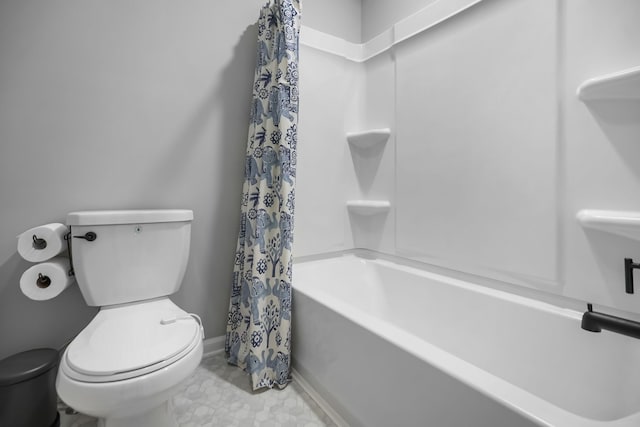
(596, 322)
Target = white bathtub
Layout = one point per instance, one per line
(389, 345)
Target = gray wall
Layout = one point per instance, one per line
(380, 15)
(123, 105)
(340, 18)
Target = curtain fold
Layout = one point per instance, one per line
(258, 335)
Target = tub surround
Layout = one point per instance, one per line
(415, 24)
(491, 151)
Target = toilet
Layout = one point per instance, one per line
(128, 362)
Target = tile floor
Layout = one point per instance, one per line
(219, 394)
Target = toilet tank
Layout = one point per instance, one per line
(132, 255)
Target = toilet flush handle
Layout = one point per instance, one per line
(89, 236)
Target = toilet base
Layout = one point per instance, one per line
(160, 416)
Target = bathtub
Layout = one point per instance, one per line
(386, 344)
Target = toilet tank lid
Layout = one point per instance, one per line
(141, 216)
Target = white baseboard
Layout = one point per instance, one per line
(213, 346)
(335, 417)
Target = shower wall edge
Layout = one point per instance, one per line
(415, 24)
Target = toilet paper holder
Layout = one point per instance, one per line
(67, 238)
(43, 281)
(38, 243)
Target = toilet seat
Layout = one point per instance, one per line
(131, 340)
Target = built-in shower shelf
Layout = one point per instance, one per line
(369, 138)
(622, 223)
(368, 207)
(622, 85)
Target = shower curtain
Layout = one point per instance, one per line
(259, 324)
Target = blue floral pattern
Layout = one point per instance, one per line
(259, 323)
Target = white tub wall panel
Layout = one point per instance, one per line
(351, 186)
(476, 142)
(374, 167)
(380, 113)
(331, 88)
(601, 153)
(592, 171)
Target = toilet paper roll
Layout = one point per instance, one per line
(46, 280)
(42, 243)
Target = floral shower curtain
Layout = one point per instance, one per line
(259, 324)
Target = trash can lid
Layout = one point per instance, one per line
(26, 365)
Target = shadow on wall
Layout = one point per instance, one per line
(228, 102)
(27, 324)
(367, 162)
(367, 230)
(214, 237)
(620, 122)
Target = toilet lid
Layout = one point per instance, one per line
(130, 338)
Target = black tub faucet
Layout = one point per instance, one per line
(629, 266)
(596, 322)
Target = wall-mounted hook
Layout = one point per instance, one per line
(629, 265)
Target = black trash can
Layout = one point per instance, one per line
(28, 389)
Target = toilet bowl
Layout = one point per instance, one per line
(125, 366)
(128, 362)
